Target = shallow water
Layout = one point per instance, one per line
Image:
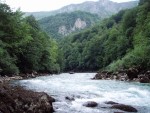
(80, 87)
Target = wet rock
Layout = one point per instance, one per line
(136, 79)
(111, 102)
(144, 79)
(118, 112)
(18, 100)
(98, 76)
(1, 81)
(123, 107)
(90, 104)
(104, 75)
(69, 98)
(147, 74)
(71, 72)
(132, 73)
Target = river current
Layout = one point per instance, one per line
(80, 88)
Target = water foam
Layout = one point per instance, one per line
(82, 89)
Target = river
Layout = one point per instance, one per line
(80, 87)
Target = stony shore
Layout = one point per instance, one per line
(15, 99)
(132, 74)
(5, 79)
(19, 100)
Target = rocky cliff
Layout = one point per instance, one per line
(63, 24)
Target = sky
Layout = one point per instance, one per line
(44, 5)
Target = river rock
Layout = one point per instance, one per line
(144, 79)
(90, 104)
(132, 73)
(19, 100)
(98, 76)
(118, 112)
(1, 81)
(69, 98)
(111, 102)
(123, 107)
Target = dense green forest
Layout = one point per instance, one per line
(52, 24)
(119, 42)
(24, 48)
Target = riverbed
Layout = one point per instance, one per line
(79, 88)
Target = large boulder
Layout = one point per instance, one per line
(132, 73)
(90, 104)
(123, 107)
(18, 100)
(98, 76)
(144, 79)
(148, 74)
(105, 75)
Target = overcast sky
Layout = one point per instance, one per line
(45, 5)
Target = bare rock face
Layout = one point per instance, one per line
(18, 100)
(63, 30)
(79, 24)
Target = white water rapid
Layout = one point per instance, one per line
(80, 88)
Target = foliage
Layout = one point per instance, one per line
(119, 42)
(51, 24)
(23, 45)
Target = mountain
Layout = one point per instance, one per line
(104, 8)
(63, 24)
(119, 42)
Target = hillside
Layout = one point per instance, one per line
(103, 8)
(63, 24)
(119, 42)
(24, 48)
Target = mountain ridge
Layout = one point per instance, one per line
(104, 8)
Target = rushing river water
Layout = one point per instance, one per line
(80, 87)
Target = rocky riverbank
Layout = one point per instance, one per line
(19, 100)
(7, 78)
(132, 74)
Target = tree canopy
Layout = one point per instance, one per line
(119, 42)
(24, 47)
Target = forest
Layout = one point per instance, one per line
(24, 47)
(119, 42)
(51, 24)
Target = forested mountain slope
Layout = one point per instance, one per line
(24, 48)
(119, 42)
(64, 24)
